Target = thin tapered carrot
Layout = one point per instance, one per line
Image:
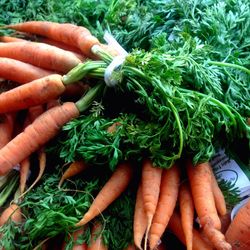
(151, 181)
(96, 238)
(200, 179)
(10, 39)
(238, 232)
(31, 94)
(74, 169)
(44, 128)
(32, 114)
(12, 212)
(219, 199)
(187, 213)
(6, 128)
(140, 219)
(176, 227)
(20, 72)
(117, 183)
(41, 55)
(169, 188)
(70, 34)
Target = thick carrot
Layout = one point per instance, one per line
(41, 55)
(175, 226)
(140, 219)
(44, 128)
(169, 188)
(96, 238)
(12, 212)
(187, 213)
(70, 34)
(200, 180)
(20, 72)
(219, 199)
(117, 183)
(238, 233)
(74, 169)
(33, 93)
(151, 181)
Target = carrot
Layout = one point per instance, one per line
(75, 236)
(70, 34)
(169, 188)
(187, 213)
(96, 238)
(41, 55)
(200, 180)
(176, 227)
(219, 199)
(12, 212)
(33, 93)
(20, 72)
(6, 128)
(140, 219)
(35, 135)
(238, 233)
(110, 191)
(151, 180)
(10, 39)
(74, 169)
(66, 47)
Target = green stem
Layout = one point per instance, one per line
(92, 94)
(81, 70)
(12, 185)
(223, 106)
(104, 55)
(231, 65)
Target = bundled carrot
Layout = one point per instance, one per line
(187, 213)
(238, 233)
(117, 183)
(6, 128)
(20, 72)
(151, 181)
(74, 169)
(10, 39)
(70, 34)
(140, 219)
(169, 188)
(12, 212)
(41, 55)
(96, 238)
(176, 227)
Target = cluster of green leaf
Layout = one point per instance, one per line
(50, 211)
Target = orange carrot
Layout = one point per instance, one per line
(151, 181)
(219, 199)
(117, 183)
(44, 128)
(169, 188)
(6, 128)
(12, 212)
(74, 169)
(238, 233)
(96, 238)
(176, 227)
(20, 72)
(10, 39)
(187, 213)
(200, 180)
(75, 236)
(41, 55)
(140, 219)
(70, 34)
(33, 93)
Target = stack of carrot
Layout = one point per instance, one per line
(166, 199)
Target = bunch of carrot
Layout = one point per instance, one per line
(164, 199)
